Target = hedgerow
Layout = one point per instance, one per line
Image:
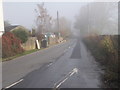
(11, 45)
(22, 34)
(105, 50)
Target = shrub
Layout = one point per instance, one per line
(21, 34)
(105, 50)
(11, 45)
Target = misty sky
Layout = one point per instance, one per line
(23, 13)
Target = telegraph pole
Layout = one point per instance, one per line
(58, 24)
(88, 20)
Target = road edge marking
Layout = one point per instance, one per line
(14, 84)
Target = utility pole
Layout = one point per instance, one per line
(58, 24)
(88, 20)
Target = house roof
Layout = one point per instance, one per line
(9, 28)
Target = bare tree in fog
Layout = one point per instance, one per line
(64, 27)
(82, 20)
(43, 21)
(100, 18)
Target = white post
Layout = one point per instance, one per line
(38, 45)
(1, 32)
(1, 19)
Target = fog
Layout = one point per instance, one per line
(80, 18)
(24, 12)
(98, 18)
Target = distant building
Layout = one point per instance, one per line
(9, 28)
(14, 27)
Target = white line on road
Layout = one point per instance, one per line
(49, 64)
(14, 84)
(59, 83)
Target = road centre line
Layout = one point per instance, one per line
(49, 64)
(60, 82)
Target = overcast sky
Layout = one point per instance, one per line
(23, 13)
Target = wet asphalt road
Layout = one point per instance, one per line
(14, 70)
(75, 68)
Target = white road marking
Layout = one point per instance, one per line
(49, 64)
(14, 84)
(69, 47)
(59, 83)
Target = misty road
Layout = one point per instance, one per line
(73, 68)
(45, 45)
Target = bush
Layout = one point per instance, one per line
(11, 45)
(21, 34)
(105, 50)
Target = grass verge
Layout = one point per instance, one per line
(25, 53)
(18, 55)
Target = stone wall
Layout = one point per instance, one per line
(30, 44)
(52, 41)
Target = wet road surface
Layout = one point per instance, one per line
(14, 70)
(75, 68)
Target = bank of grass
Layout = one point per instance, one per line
(18, 55)
(25, 53)
(105, 50)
